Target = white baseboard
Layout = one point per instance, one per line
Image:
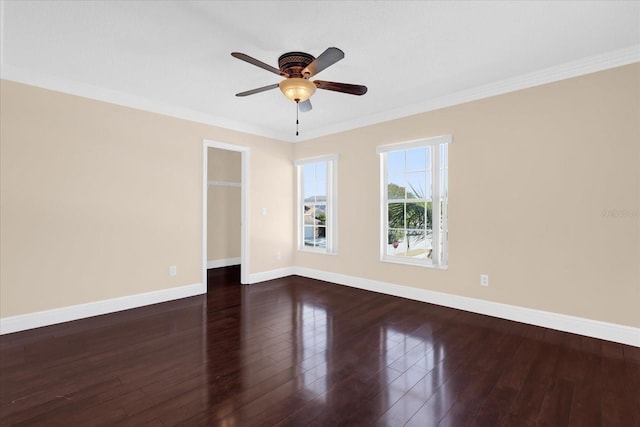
(561, 322)
(270, 275)
(225, 262)
(65, 314)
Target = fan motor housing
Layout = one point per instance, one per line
(293, 63)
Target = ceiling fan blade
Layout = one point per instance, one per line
(258, 63)
(341, 87)
(258, 90)
(305, 106)
(326, 59)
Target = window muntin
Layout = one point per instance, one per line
(316, 204)
(414, 198)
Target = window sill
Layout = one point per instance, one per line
(316, 251)
(415, 264)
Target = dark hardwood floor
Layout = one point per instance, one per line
(295, 352)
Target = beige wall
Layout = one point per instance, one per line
(531, 173)
(223, 222)
(223, 205)
(97, 200)
(223, 165)
(273, 232)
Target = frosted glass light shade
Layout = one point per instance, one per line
(297, 89)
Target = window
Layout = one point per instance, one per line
(414, 193)
(316, 204)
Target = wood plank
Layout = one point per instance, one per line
(298, 351)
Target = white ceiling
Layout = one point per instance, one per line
(174, 57)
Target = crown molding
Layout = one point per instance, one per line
(84, 90)
(588, 65)
(564, 71)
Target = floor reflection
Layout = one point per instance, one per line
(414, 371)
(294, 351)
(315, 332)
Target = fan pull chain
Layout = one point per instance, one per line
(297, 122)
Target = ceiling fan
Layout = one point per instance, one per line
(298, 68)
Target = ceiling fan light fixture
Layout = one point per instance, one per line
(297, 89)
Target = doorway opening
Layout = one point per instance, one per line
(229, 188)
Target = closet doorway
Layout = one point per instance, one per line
(224, 203)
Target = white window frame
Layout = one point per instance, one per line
(331, 213)
(437, 261)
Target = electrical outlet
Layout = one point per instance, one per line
(484, 280)
(173, 270)
(278, 256)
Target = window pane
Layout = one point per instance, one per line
(416, 185)
(395, 162)
(321, 171)
(417, 159)
(309, 190)
(320, 214)
(309, 236)
(415, 215)
(321, 191)
(396, 243)
(396, 215)
(308, 211)
(309, 171)
(396, 187)
(417, 244)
